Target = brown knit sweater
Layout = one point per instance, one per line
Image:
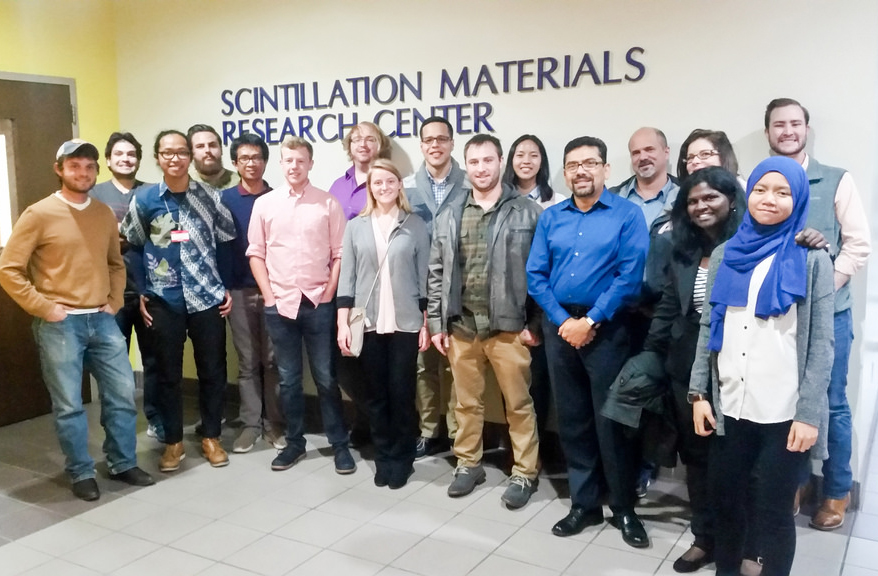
(58, 254)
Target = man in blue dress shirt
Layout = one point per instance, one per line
(585, 264)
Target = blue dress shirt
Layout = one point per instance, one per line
(593, 259)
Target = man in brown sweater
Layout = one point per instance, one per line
(62, 265)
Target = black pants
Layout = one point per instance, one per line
(391, 369)
(591, 442)
(694, 451)
(755, 456)
(540, 386)
(128, 318)
(207, 330)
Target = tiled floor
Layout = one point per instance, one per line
(245, 519)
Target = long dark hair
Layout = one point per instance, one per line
(690, 241)
(546, 192)
(720, 141)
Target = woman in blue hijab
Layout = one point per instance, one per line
(762, 368)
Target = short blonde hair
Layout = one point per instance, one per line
(401, 201)
(384, 145)
(293, 142)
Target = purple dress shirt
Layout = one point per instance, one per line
(350, 195)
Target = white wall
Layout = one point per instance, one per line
(709, 64)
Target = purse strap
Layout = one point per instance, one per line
(381, 264)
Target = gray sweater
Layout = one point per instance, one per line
(407, 259)
(814, 347)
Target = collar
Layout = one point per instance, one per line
(243, 191)
(603, 201)
(164, 190)
(292, 193)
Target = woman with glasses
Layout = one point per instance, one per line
(384, 269)
(703, 148)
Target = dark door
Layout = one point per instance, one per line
(40, 114)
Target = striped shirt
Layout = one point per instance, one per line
(698, 290)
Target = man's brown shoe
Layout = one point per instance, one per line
(170, 460)
(214, 452)
(830, 515)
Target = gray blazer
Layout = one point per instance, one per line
(407, 260)
(814, 348)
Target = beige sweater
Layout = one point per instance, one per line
(57, 254)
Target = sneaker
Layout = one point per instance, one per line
(287, 458)
(466, 478)
(214, 452)
(154, 431)
(172, 457)
(344, 462)
(518, 491)
(279, 441)
(421, 448)
(429, 446)
(245, 441)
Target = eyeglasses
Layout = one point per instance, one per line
(590, 164)
(367, 139)
(703, 155)
(169, 154)
(429, 140)
(243, 160)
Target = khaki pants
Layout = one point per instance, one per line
(435, 388)
(510, 360)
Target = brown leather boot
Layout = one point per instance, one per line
(170, 460)
(214, 452)
(830, 515)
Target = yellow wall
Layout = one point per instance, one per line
(69, 39)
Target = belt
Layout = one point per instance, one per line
(575, 310)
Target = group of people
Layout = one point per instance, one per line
(680, 295)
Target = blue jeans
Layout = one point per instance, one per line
(92, 341)
(837, 476)
(314, 326)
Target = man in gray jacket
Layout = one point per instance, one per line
(437, 183)
(478, 312)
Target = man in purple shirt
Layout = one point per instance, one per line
(364, 144)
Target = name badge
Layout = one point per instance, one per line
(179, 236)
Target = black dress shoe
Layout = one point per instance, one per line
(693, 559)
(134, 476)
(86, 490)
(633, 532)
(578, 520)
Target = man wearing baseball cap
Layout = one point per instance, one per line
(63, 266)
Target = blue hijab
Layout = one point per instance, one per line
(786, 280)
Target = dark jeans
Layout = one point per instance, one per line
(754, 457)
(314, 327)
(591, 442)
(694, 451)
(837, 475)
(391, 367)
(207, 330)
(540, 387)
(128, 318)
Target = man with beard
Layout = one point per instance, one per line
(585, 264)
(651, 187)
(63, 266)
(123, 154)
(207, 156)
(837, 212)
(479, 312)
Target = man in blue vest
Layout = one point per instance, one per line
(837, 212)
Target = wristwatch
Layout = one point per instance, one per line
(590, 321)
(693, 398)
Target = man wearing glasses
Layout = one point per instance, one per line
(585, 264)
(258, 379)
(176, 225)
(435, 185)
(207, 156)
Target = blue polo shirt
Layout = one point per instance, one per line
(183, 274)
(593, 259)
(240, 204)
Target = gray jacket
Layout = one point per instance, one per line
(510, 234)
(407, 259)
(420, 193)
(814, 348)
